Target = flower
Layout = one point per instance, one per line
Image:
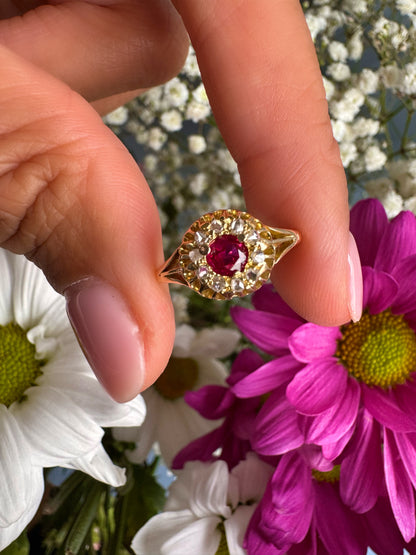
(207, 510)
(51, 405)
(349, 385)
(170, 421)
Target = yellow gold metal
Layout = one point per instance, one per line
(265, 246)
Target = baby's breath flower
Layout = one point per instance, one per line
(157, 138)
(176, 93)
(338, 51)
(119, 116)
(368, 81)
(339, 71)
(171, 120)
(374, 158)
(197, 144)
(348, 153)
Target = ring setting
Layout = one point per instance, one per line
(226, 254)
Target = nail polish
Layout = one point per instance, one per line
(355, 304)
(108, 335)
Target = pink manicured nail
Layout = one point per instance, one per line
(108, 335)
(355, 304)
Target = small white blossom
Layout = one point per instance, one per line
(339, 71)
(171, 120)
(199, 183)
(348, 106)
(156, 138)
(356, 6)
(150, 163)
(220, 200)
(407, 7)
(393, 204)
(374, 158)
(196, 111)
(329, 88)
(119, 116)
(368, 81)
(410, 204)
(365, 127)
(191, 68)
(391, 76)
(226, 161)
(355, 46)
(409, 80)
(316, 24)
(339, 129)
(348, 152)
(176, 93)
(197, 144)
(338, 51)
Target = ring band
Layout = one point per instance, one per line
(226, 254)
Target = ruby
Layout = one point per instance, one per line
(227, 255)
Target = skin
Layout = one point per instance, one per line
(73, 200)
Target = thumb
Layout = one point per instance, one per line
(73, 200)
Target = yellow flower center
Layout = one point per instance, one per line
(331, 476)
(179, 376)
(19, 366)
(223, 545)
(379, 350)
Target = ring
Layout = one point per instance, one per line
(226, 254)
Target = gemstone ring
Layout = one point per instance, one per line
(226, 254)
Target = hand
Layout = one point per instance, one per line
(72, 199)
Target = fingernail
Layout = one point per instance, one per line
(108, 335)
(355, 304)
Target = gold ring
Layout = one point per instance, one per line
(226, 254)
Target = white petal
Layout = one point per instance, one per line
(202, 487)
(9, 533)
(184, 337)
(252, 475)
(100, 466)
(15, 470)
(235, 528)
(32, 294)
(177, 533)
(55, 428)
(211, 372)
(6, 313)
(215, 342)
(199, 537)
(86, 392)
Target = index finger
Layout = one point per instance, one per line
(262, 76)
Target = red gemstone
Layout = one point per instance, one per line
(227, 255)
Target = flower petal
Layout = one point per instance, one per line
(202, 536)
(160, 529)
(235, 528)
(267, 378)
(252, 476)
(200, 449)
(267, 299)
(337, 526)
(399, 487)
(406, 444)
(331, 425)
(55, 428)
(380, 290)
(383, 532)
(310, 342)
(268, 331)
(332, 450)
(99, 465)
(318, 387)
(184, 337)
(383, 406)
(361, 475)
(211, 401)
(276, 428)
(6, 277)
(368, 220)
(405, 274)
(215, 342)
(15, 470)
(398, 242)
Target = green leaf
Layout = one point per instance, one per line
(20, 546)
(78, 534)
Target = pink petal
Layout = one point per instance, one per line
(383, 406)
(268, 377)
(399, 487)
(310, 342)
(405, 274)
(397, 242)
(333, 450)
(211, 401)
(368, 220)
(382, 529)
(337, 526)
(380, 290)
(332, 424)
(319, 386)
(276, 429)
(406, 444)
(268, 331)
(245, 362)
(267, 299)
(361, 475)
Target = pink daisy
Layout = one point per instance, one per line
(352, 387)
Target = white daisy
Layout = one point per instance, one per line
(207, 511)
(51, 405)
(170, 421)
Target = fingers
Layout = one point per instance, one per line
(73, 200)
(263, 80)
(100, 48)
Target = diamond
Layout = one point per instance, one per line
(252, 275)
(216, 225)
(237, 226)
(202, 272)
(237, 285)
(259, 257)
(252, 236)
(200, 237)
(218, 283)
(195, 255)
(227, 255)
